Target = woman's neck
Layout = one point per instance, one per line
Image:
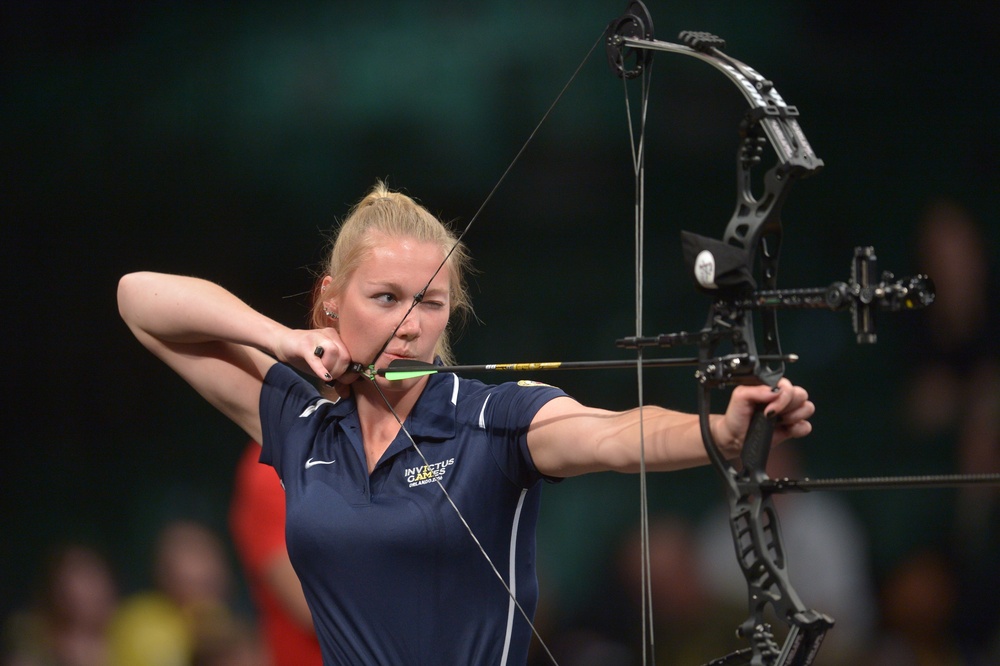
(380, 414)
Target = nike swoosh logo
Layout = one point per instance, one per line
(311, 462)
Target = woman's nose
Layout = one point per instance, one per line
(410, 327)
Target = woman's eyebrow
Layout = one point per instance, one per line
(437, 292)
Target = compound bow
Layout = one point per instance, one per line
(740, 274)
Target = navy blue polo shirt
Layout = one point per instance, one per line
(390, 573)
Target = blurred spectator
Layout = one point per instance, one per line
(828, 560)
(689, 625)
(257, 522)
(952, 404)
(955, 378)
(67, 626)
(919, 601)
(186, 619)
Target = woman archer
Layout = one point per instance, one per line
(387, 564)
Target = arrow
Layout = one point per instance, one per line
(408, 369)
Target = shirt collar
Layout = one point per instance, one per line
(435, 414)
(433, 417)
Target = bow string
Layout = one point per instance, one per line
(370, 372)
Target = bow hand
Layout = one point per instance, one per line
(787, 407)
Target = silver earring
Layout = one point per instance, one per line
(331, 315)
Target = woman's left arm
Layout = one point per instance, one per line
(567, 439)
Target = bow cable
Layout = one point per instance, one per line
(639, 167)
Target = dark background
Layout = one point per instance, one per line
(224, 140)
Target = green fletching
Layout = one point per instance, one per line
(394, 375)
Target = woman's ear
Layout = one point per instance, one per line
(329, 301)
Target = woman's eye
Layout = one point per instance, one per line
(385, 298)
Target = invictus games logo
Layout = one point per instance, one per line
(418, 476)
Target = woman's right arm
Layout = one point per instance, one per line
(219, 344)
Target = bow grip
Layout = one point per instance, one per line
(757, 444)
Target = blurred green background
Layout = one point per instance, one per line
(225, 139)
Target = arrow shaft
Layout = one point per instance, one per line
(402, 369)
(566, 365)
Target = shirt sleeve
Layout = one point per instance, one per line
(284, 397)
(509, 411)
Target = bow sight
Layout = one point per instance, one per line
(734, 293)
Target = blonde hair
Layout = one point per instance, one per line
(394, 214)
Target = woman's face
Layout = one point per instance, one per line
(380, 292)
